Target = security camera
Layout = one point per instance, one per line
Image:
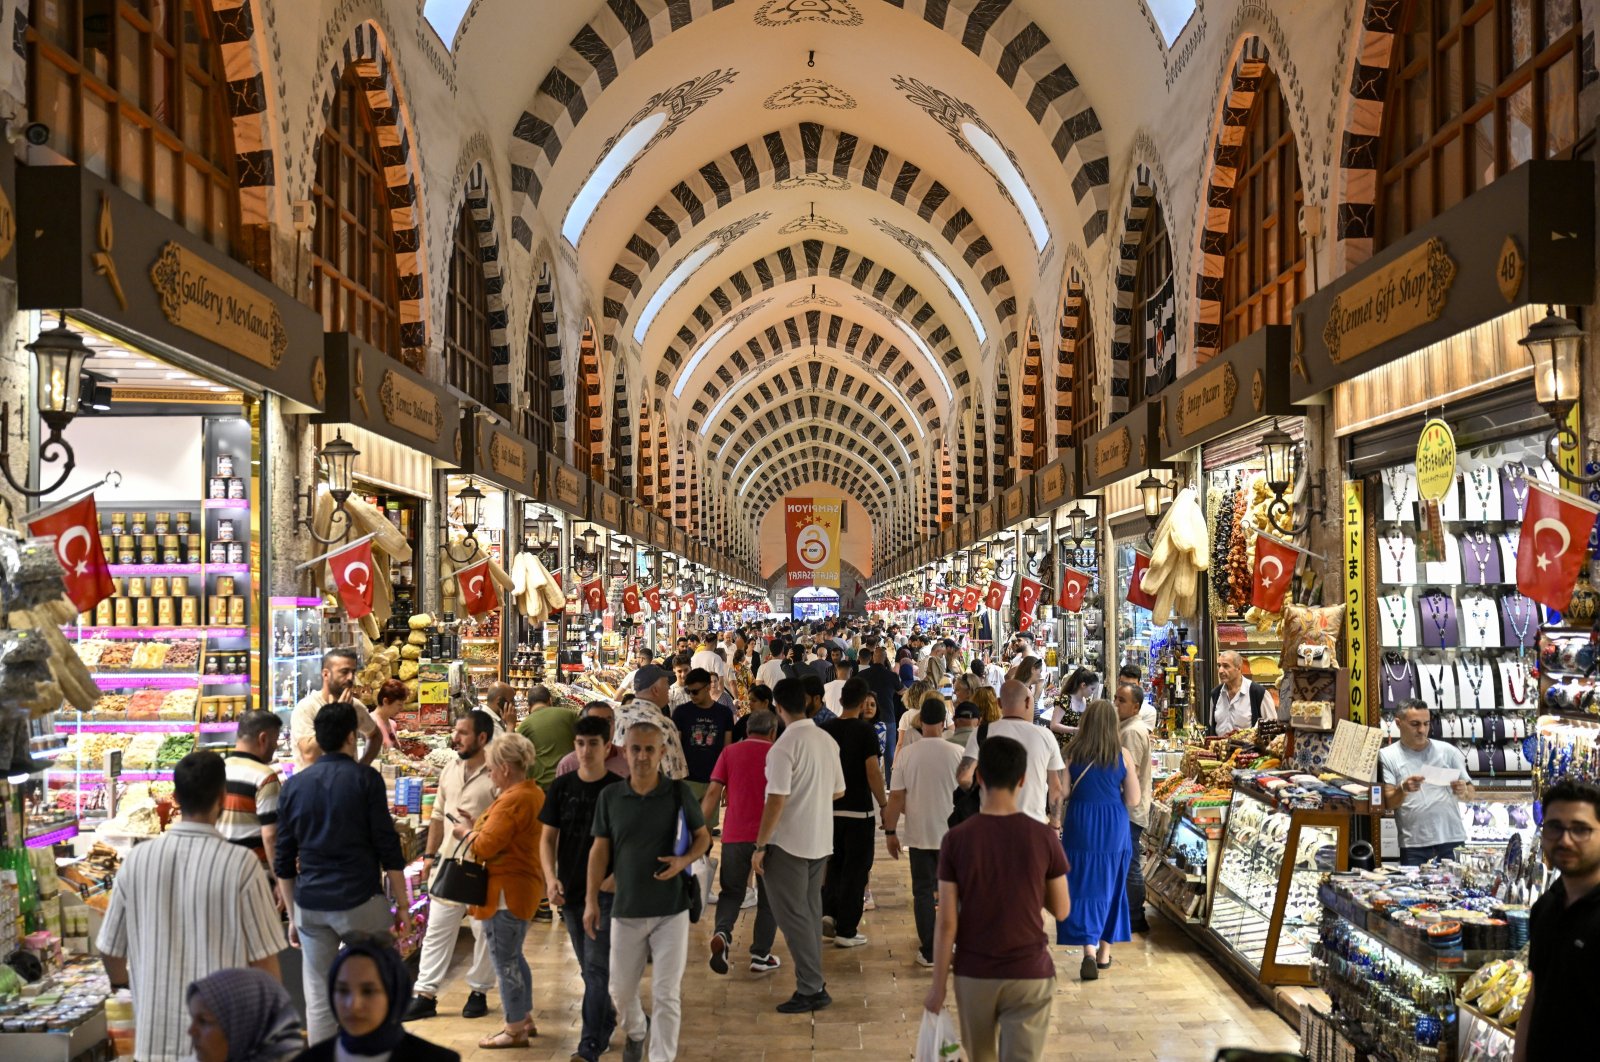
(36, 133)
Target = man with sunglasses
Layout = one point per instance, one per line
(705, 726)
(1427, 809)
(1564, 930)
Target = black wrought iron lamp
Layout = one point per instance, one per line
(1556, 347)
(1078, 527)
(337, 458)
(58, 357)
(1150, 491)
(1284, 460)
(471, 501)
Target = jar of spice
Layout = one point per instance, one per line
(224, 530)
(219, 552)
(163, 523)
(235, 552)
(217, 488)
(171, 550)
(235, 490)
(180, 524)
(119, 523)
(136, 523)
(148, 554)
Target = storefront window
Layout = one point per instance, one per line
(354, 276)
(1475, 90)
(538, 422)
(133, 90)
(468, 361)
(1152, 286)
(1265, 262)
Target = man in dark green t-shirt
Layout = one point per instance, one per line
(549, 727)
(636, 834)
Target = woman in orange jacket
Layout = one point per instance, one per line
(506, 839)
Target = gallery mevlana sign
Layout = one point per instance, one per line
(199, 298)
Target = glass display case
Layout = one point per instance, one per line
(1181, 874)
(1265, 907)
(298, 641)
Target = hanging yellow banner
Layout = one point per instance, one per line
(1355, 595)
(811, 526)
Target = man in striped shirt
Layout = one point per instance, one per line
(186, 905)
(250, 806)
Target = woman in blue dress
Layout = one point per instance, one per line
(1102, 785)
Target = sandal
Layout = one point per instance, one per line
(504, 1039)
(1102, 965)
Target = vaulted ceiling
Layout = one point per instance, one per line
(812, 229)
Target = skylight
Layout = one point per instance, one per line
(1171, 16)
(445, 17)
(699, 355)
(669, 287)
(1005, 171)
(957, 291)
(622, 153)
(917, 342)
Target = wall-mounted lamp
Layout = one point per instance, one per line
(1284, 459)
(1078, 526)
(338, 458)
(58, 357)
(471, 500)
(1556, 345)
(1150, 491)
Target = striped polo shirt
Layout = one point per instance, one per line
(184, 906)
(250, 800)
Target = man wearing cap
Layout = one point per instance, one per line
(968, 715)
(650, 686)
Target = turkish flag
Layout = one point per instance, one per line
(76, 528)
(1074, 585)
(352, 576)
(927, 600)
(594, 595)
(478, 592)
(995, 596)
(1028, 591)
(689, 603)
(652, 597)
(971, 597)
(858, 587)
(1025, 622)
(630, 599)
(1136, 594)
(1554, 544)
(954, 599)
(1274, 568)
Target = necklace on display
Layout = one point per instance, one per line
(1472, 540)
(1390, 678)
(1398, 614)
(1438, 608)
(1517, 476)
(1516, 682)
(1400, 482)
(1480, 613)
(1395, 544)
(1474, 672)
(1517, 607)
(1508, 550)
(1483, 484)
(1436, 683)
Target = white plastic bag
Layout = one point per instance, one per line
(938, 1040)
(705, 868)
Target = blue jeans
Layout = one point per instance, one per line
(594, 960)
(506, 933)
(1417, 856)
(1136, 877)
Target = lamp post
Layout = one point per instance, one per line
(471, 500)
(338, 458)
(1556, 345)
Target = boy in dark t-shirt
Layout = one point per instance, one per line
(704, 726)
(854, 840)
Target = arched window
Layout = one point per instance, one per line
(538, 419)
(354, 278)
(1035, 449)
(1150, 363)
(1263, 274)
(468, 362)
(1475, 90)
(586, 434)
(1077, 410)
(619, 440)
(134, 90)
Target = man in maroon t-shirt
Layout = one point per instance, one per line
(741, 771)
(1004, 975)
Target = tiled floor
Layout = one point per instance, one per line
(1163, 999)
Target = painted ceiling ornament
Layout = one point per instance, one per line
(909, 240)
(775, 14)
(679, 102)
(950, 113)
(826, 181)
(812, 223)
(810, 90)
(814, 300)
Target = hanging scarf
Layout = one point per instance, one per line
(396, 985)
(255, 1012)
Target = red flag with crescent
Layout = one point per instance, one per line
(953, 599)
(1074, 585)
(995, 596)
(1136, 593)
(1554, 544)
(927, 599)
(1272, 573)
(652, 598)
(971, 598)
(76, 528)
(689, 603)
(352, 576)
(594, 595)
(1028, 591)
(1025, 622)
(478, 592)
(630, 599)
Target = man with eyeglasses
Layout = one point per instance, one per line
(1564, 929)
(705, 727)
(1424, 781)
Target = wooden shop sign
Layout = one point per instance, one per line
(1526, 238)
(1207, 399)
(1112, 451)
(1053, 484)
(371, 390)
(605, 506)
(409, 404)
(507, 460)
(1238, 387)
(202, 299)
(639, 525)
(1015, 502)
(660, 532)
(8, 215)
(986, 521)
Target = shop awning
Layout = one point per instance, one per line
(565, 487)
(87, 247)
(374, 392)
(1241, 385)
(1526, 238)
(506, 459)
(1122, 450)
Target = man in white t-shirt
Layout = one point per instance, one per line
(771, 671)
(843, 672)
(922, 787)
(708, 658)
(1040, 795)
(338, 678)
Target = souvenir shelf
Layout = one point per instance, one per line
(298, 642)
(1180, 869)
(1265, 908)
(1568, 741)
(1454, 631)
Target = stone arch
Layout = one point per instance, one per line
(243, 42)
(544, 297)
(367, 51)
(1002, 36)
(620, 456)
(792, 412)
(590, 401)
(476, 200)
(1032, 417)
(1141, 198)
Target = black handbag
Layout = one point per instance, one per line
(965, 803)
(461, 880)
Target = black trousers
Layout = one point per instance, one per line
(854, 843)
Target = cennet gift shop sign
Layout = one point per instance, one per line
(811, 528)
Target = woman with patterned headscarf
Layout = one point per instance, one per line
(242, 1015)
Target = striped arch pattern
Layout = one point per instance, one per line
(1141, 197)
(647, 459)
(544, 295)
(998, 32)
(1226, 153)
(963, 464)
(1032, 418)
(781, 414)
(364, 51)
(981, 494)
(1359, 153)
(813, 441)
(247, 108)
(589, 393)
(868, 401)
(481, 210)
(663, 457)
(813, 258)
(621, 441)
(839, 468)
(809, 148)
(947, 494)
(1074, 307)
(683, 512)
(1003, 448)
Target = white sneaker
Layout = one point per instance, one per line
(868, 903)
(764, 963)
(924, 962)
(849, 942)
(827, 927)
(751, 898)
